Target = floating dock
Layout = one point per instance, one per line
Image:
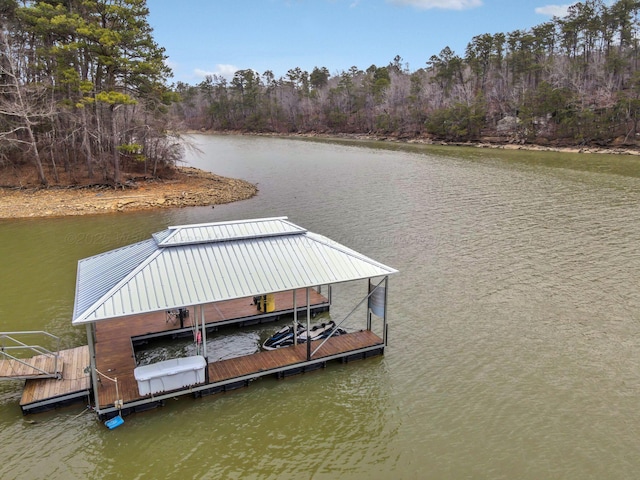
(190, 280)
(115, 354)
(75, 385)
(115, 343)
(222, 375)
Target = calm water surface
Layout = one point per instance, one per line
(514, 340)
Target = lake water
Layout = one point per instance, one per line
(514, 323)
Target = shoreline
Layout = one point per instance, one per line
(190, 187)
(488, 143)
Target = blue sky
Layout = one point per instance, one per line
(221, 36)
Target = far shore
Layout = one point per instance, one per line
(490, 143)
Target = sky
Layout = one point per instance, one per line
(205, 37)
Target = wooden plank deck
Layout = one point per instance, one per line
(261, 363)
(76, 380)
(115, 356)
(270, 360)
(239, 310)
(34, 367)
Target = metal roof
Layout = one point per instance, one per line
(238, 230)
(197, 264)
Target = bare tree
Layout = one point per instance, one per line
(24, 106)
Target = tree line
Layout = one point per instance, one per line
(83, 90)
(570, 80)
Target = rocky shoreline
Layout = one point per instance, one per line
(498, 143)
(190, 187)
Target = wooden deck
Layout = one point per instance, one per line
(115, 356)
(75, 382)
(272, 360)
(35, 367)
(258, 364)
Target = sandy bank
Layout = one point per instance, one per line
(189, 187)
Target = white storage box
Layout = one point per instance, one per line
(170, 374)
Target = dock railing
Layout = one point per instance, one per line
(19, 353)
(344, 319)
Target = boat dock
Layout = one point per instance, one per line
(115, 345)
(188, 281)
(117, 361)
(115, 342)
(115, 355)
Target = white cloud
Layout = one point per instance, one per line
(221, 70)
(444, 4)
(553, 10)
(171, 64)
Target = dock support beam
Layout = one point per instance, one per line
(308, 327)
(295, 318)
(92, 364)
(384, 321)
(204, 334)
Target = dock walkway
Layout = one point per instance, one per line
(44, 393)
(231, 373)
(34, 367)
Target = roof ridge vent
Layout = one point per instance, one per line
(226, 231)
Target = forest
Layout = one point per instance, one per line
(83, 91)
(86, 93)
(570, 81)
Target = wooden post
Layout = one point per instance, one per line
(204, 333)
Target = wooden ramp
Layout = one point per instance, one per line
(39, 366)
(44, 393)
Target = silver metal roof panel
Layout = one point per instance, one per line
(98, 274)
(198, 264)
(237, 230)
